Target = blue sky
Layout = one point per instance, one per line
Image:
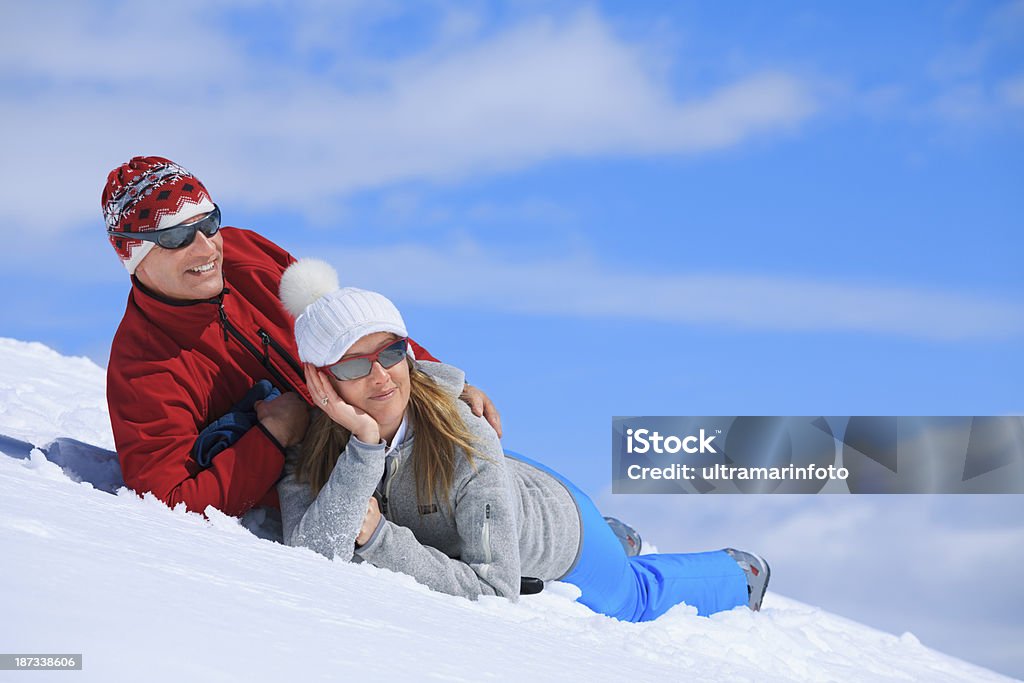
(596, 209)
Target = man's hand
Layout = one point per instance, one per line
(286, 417)
(370, 522)
(482, 406)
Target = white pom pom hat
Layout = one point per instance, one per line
(329, 319)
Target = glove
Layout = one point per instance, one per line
(226, 430)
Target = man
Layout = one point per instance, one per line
(203, 325)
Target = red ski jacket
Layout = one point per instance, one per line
(175, 367)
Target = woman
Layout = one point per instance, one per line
(397, 472)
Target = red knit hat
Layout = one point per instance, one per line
(149, 193)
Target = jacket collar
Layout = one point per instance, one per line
(172, 315)
(400, 435)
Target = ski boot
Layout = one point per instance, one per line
(758, 573)
(627, 535)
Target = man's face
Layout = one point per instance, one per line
(188, 274)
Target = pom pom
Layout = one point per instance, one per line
(304, 282)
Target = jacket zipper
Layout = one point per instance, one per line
(487, 533)
(272, 343)
(388, 478)
(264, 358)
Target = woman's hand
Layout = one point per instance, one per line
(370, 522)
(362, 426)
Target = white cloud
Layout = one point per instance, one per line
(83, 47)
(101, 88)
(963, 103)
(1011, 92)
(466, 275)
(1000, 27)
(963, 70)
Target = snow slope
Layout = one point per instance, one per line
(144, 591)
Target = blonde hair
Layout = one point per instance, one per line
(439, 431)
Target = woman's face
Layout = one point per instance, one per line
(384, 393)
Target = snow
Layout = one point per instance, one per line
(144, 591)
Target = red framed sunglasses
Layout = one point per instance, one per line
(355, 367)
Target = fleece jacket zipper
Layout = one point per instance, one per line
(487, 533)
(389, 477)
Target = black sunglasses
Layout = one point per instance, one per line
(177, 236)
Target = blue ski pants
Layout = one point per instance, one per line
(644, 587)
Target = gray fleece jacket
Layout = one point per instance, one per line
(508, 519)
